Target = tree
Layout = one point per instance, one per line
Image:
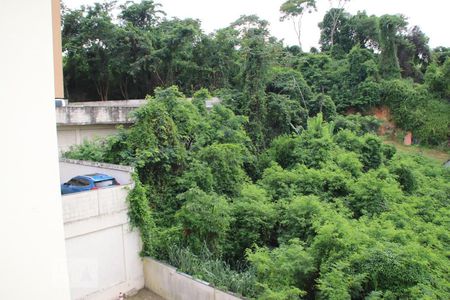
(132, 60)
(199, 100)
(348, 31)
(88, 38)
(336, 30)
(322, 104)
(226, 163)
(390, 25)
(414, 54)
(375, 191)
(254, 218)
(437, 78)
(99, 32)
(282, 270)
(338, 6)
(286, 115)
(294, 10)
(289, 82)
(254, 77)
(143, 15)
(205, 219)
(287, 101)
(366, 30)
(175, 44)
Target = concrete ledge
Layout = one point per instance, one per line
(109, 103)
(96, 164)
(170, 284)
(89, 115)
(85, 205)
(105, 112)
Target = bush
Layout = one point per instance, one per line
(205, 219)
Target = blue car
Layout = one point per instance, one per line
(87, 183)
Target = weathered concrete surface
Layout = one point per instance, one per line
(69, 135)
(90, 115)
(145, 294)
(80, 121)
(165, 281)
(117, 103)
(211, 102)
(104, 112)
(102, 250)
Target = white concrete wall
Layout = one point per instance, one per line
(77, 134)
(89, 115)
(165, 281)
(70, 168)
(111, 103)
(102, 250)
(32, 248)
(80, 121)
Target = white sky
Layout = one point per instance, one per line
(432, 16)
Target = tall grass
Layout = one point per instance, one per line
(213, 270)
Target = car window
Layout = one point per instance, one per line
(104, 183)
(78, 182)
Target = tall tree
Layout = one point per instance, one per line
(89, 38)
(336, 30)
(337, 9)
(390, 26)
(143, 15)
(340, 29)
(414, 54)
(99, 33)
(294, 10)
(254, 77)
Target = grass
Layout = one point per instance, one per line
(435, 154)
(213, 270)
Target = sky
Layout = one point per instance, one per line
(432, 16)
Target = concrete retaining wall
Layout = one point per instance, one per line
(89, 115)
(80, 121)
(69, 168)
(71, 135)
(165, 281)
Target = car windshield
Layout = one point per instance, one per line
(78, 182)
(104, 183)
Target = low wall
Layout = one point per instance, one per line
(72, 135)
(69, 168)
(110, 103)
(80, 121)
(89, 115)
(165, 281)
(102, 250)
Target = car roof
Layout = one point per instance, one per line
(96, 177)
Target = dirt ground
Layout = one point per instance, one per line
(145, 295)
(439, 156)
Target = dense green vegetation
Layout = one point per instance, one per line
(329, 212)
(275, 193)
(365, 61)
